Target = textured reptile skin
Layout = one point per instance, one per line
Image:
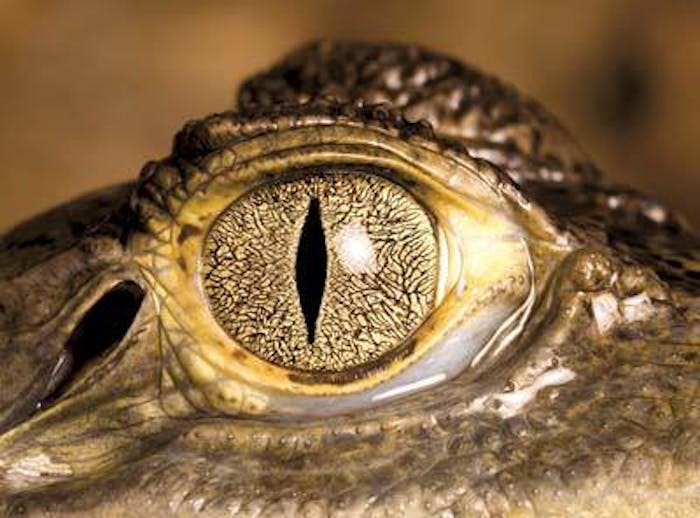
(622, 436)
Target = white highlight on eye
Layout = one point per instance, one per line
(354, 249)
(411, 387)
(510, 404)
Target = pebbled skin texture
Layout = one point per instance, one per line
(620, 438)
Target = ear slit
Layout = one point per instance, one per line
(101, 328)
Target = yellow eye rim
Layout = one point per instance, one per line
(203, 360)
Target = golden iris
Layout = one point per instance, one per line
(324, 272)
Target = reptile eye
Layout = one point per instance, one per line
(320, 270)
(324, 273)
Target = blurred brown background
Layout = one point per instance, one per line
(91, 90)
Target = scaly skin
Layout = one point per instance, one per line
(621, 436)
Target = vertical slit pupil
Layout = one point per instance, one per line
(311, 267)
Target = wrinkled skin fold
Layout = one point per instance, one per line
(594, 410)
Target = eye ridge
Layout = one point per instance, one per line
(311, 267)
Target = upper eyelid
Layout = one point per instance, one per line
(202, 149)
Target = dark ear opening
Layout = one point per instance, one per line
(102, 327)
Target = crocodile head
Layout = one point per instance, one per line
(386, 284)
